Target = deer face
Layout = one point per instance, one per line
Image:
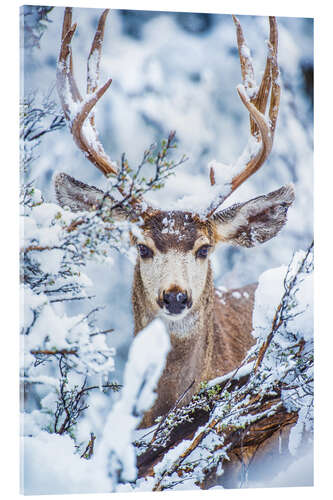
(173, 255)
(174, 246)
(174, 250)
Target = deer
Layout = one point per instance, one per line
(173, 278)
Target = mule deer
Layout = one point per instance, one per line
(173, 276)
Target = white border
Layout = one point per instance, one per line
(323, 224)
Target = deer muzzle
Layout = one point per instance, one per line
(175, 301)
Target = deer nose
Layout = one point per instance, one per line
(175, 302)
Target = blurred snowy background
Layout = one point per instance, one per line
(179, 71)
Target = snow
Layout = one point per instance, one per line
(45, 380)
(33, 422)
(45, 213)
(302, 323)
(93, 75)
(169, 225)
(296, 433)
(244, 370)
(56, 327)
(142, 485)
(30, 301)
(267, 298)
(114, 452)
(50, 261)
(298, 473)
(43, 474)
(145, 364)
(170, 457)
(252, 148)
(40, 228)
(245, 51)
(268, 295)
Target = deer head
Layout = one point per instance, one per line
(174, 247)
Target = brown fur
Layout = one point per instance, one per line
(180, 233)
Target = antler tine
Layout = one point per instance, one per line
(95, 55)
(75, 108)
(258, 97)
(271, 72)
(246, 68)
(255, 100)
(67, 24)
(66, 85)
(266, 143)
(91, 145)
(244, 57)
(276, 88)
(94, 59)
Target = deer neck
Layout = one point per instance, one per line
(192, 345)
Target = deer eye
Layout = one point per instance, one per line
(145, 252)
(203, 251)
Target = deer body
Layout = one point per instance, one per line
(173, 277)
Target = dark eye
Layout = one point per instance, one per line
(203, 251)
(145, 252)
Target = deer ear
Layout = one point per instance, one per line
(255, 221)
(81, 197)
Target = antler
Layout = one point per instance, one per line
(77, 109)
(255, 100)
